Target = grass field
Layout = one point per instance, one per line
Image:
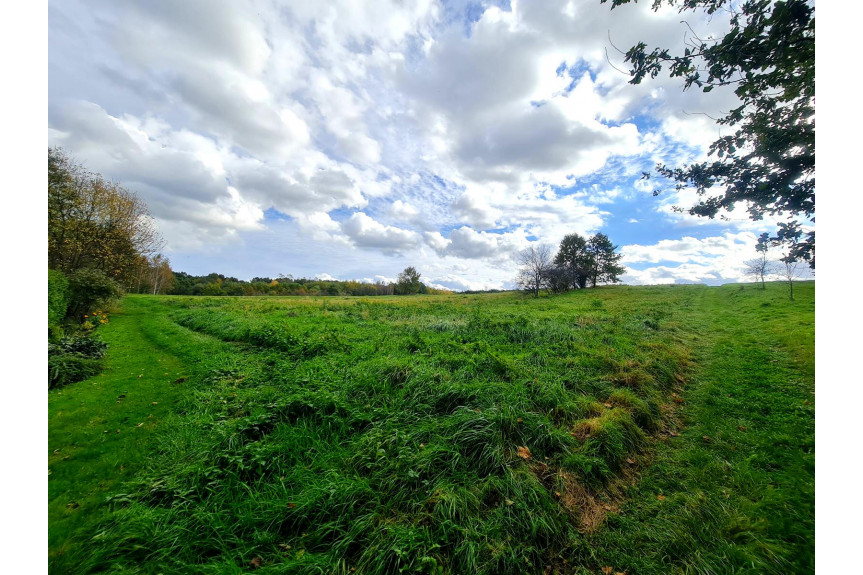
(637, 429)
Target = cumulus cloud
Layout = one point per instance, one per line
(404, 211)
(689, 249)
(369, 233)
(712, 260)
(407, 131)
(459, 283)
(465, 242)
(535, 210)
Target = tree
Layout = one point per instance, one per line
(161, 276)
(93, 223)
(89, 289)
(769, 161)
(559, 279)
(572, 257)
(535, 262)
(602, 266)
(408, 281)
(791, 271)
(760, 267)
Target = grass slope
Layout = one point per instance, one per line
(458, 434)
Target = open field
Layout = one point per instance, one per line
(645, 429)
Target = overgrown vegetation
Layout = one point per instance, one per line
(457, 434)
(74, 351)
(101, 240)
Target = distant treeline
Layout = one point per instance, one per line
(217, 284)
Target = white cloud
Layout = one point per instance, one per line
(690, 249)
(369, 233)
(450, 150)
(465, 242)
(436, 241)
(400, 210)
(712, 260)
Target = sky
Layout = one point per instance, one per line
(350, 140)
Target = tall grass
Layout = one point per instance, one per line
(458, 434)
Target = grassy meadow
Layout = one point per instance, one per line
(638, 430)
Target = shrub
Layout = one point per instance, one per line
(86, 346)
(90, 289)
(71, 367)
(58, 297)
(74, 359)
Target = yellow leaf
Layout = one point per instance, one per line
(524, 452)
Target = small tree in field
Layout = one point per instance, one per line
(760, 267)
(792, 270)
(535, 268)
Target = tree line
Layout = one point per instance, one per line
(216, 284)
(102, 239)
(101, 230)
(579, 262)
(101, 242)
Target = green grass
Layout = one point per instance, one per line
(101, 431)
(389, 435)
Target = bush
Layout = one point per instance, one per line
(90, 289)
(58, 297)
(70, 367)
(74, 359)
(86, 346)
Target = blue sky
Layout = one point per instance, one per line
(350, 139)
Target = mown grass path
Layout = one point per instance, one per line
(735, 491)
(101, 431)
(730, 490)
